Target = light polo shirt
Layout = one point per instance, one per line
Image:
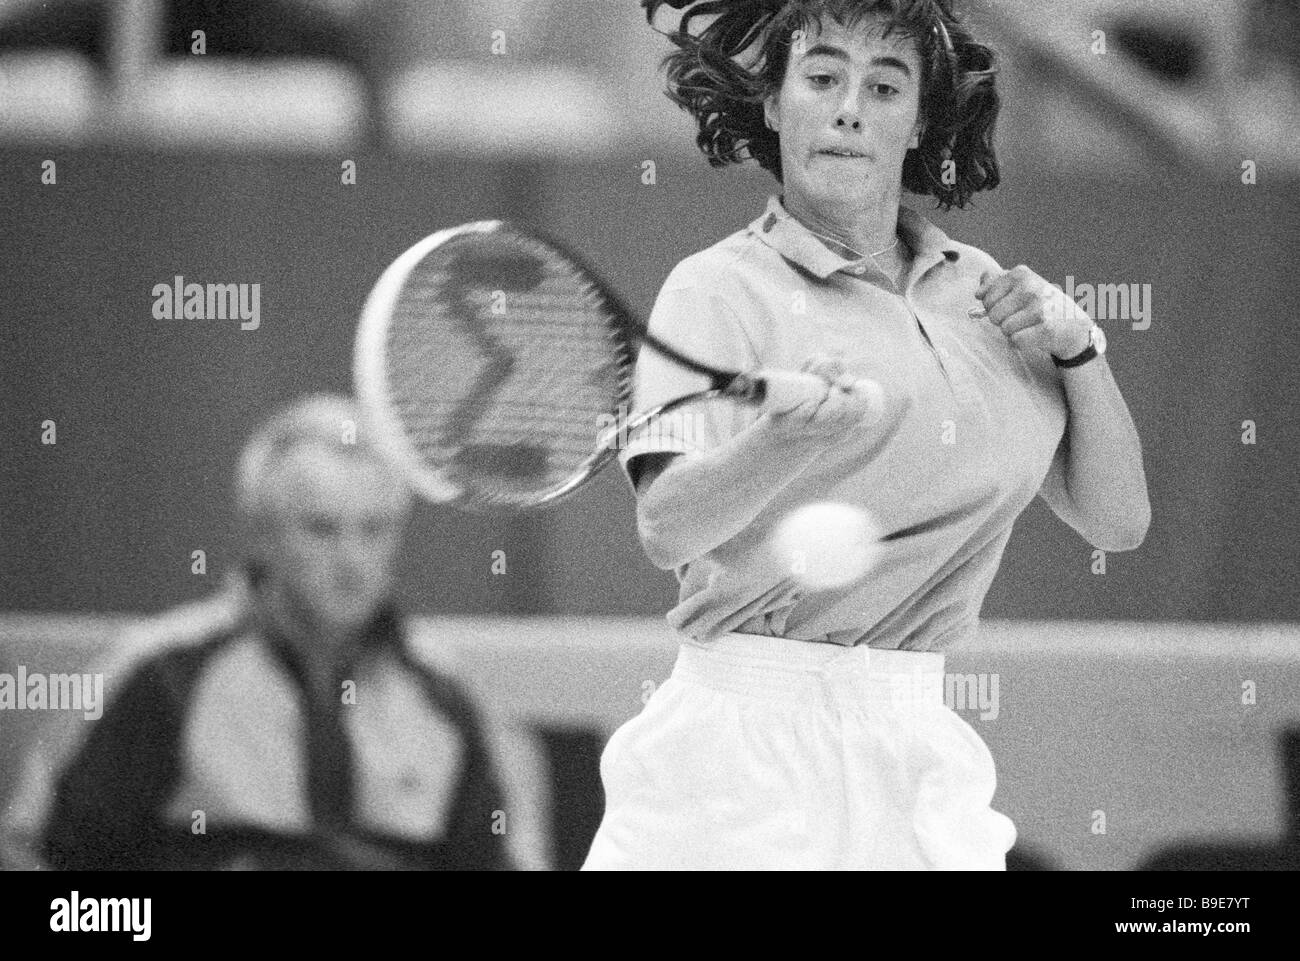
(971, 426)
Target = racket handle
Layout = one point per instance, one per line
(784, 390)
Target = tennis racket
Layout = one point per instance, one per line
(490, 363)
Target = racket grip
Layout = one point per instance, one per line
(784, 390)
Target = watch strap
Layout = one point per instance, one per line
(1085, 355)
(1081, 358)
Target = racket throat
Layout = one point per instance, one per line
(745, 388)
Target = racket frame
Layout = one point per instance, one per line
(370, 380)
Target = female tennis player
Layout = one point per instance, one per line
(805, 728)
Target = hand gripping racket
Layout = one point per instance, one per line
(489, 363)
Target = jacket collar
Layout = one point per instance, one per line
(289, 638)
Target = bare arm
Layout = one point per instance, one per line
(689, 504)
(1096, 483)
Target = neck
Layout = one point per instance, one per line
(897, 265)
(319, 648)
(851, 232)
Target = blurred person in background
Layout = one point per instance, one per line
(293, 727)
(804, 725)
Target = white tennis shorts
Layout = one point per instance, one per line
(766, 753)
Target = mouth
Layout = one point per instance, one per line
(842, 152)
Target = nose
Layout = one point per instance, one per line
(847, 118)
(358, 554)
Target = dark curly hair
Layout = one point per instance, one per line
(723, 73)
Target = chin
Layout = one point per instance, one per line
(346, 617)
(840, 191)
(855, 188)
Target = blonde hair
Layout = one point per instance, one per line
(331, 421)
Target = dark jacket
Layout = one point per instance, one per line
(215, 755)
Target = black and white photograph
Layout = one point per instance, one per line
(651, 435)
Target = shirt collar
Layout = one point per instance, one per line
(797, 244)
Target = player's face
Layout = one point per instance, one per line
(847, 90)
(340, 524)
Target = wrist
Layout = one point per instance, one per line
(786, 449)
(1095, 347)
(1076, 345)
(782, 433)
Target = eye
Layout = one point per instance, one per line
(885, 90)
(821, 79)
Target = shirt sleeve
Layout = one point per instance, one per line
(698, 322)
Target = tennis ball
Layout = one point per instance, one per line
(827, 545)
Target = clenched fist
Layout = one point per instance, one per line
(1033, 313)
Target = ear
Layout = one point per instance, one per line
(771, 113)
(917, 132)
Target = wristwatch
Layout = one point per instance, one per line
(1096, 346)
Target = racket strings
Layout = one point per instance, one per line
(501, 359)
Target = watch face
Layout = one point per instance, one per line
(1099, 339)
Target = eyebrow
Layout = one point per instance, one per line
(827, 50)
